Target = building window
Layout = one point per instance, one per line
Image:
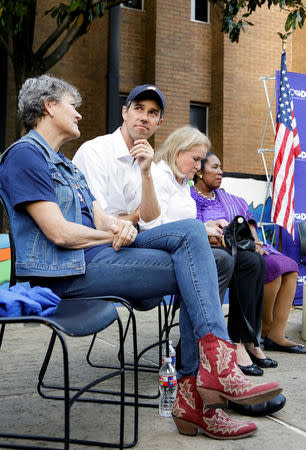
(200, 10)
(199, 117)
(135, 4)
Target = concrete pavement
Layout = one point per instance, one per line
(22, 409)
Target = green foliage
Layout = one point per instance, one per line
(71, 20)
(12, 15)
(88, 9)
(18, 19)
(234, 13)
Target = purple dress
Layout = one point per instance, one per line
(227, 206)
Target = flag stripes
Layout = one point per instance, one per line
(287, 149)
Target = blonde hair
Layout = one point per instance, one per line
(180, 140)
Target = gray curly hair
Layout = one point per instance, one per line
(35, 91)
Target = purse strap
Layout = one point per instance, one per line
(234, 244)
(248, 325)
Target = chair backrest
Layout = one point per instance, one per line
(302, 235)
(3, 204)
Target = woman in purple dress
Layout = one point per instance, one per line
(281, 271)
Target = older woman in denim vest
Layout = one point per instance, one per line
(65, 241)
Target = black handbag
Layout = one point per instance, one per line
(238, 236)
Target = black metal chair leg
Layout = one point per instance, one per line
(66, 385)
(135, 394)
(46, 362)
(2, 333)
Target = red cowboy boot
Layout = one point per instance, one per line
(189, 414)
(220, 379)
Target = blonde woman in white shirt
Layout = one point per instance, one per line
(174, 168)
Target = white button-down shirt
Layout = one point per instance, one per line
(174, 198)
(113, 178)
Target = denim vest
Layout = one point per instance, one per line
(35, 254)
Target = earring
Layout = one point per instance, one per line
(200, 176)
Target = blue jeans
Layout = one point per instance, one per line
(171, 258)
(225, 268)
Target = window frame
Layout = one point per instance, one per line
(200, 105)
(192, 12)
(135, 9)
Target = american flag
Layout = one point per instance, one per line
(287, 148)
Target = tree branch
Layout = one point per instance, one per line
(53, 37)
(72, 35)
(6, 46)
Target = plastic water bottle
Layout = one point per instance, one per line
(167, 388)
(172, 353)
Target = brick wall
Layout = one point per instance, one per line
(298, 51)
(241, 113)
(190, 62)
(216, 108)
(183, 63)
(132, 49)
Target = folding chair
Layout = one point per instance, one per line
(74, 317)
(164, 327)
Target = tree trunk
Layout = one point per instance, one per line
(20, 74)
(22, 54)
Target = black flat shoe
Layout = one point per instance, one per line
(271, 345)
(253, 370)
(265, 363)
(262, 409)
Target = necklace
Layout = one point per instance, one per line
(209, 197)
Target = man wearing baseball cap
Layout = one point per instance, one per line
(118, 166)
(120, 172)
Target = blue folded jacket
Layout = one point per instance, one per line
(21, 301)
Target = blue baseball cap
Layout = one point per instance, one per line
(151, 90)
